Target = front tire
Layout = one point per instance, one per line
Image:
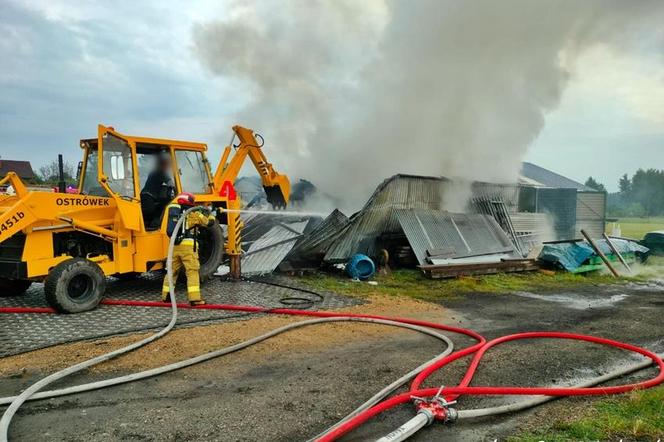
(13, 287)
(74, 286)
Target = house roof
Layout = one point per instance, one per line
(547, 178)
(22, 168)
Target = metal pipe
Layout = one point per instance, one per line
(62, 186)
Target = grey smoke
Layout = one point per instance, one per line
(351, 92)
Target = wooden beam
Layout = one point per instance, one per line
(599, 253)
(616, 252)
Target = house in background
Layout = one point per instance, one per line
(22, 168)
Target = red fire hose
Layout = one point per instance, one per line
(450, 393)
(454, 392)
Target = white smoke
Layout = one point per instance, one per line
(350, 92)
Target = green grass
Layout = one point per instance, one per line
(635, 416)
(411, 283)
(636, 228)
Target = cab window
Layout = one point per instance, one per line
(117, 166)
(90, 185)
(192, 171)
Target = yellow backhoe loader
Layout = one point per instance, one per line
(114, 226)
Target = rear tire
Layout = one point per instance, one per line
(210, 250)
(13, 287)
(74, 286)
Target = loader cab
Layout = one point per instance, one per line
(144, 171)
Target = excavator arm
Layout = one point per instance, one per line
(277, 186)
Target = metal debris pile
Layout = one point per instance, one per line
(401, 224)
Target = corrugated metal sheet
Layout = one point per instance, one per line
(316, 242)
(529, 223)
(258, 224)
(508, 193)
(591, 213)
(378, 217)
(265, 254)
(458, 234)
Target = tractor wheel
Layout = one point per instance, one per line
(75, 285)
(13, 287)
(210, 250)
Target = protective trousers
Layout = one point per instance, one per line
(185, 256)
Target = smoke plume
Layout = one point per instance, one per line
(348, 93)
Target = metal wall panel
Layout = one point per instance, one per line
(561, 205)
(591, 213)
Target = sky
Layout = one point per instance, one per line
(69, 65)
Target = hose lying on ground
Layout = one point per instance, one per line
(224, 351)
(34, 388)
(421, 420)
(451, 393)
(523, 405)
(362, 416)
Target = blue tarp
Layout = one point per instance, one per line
(572, 255)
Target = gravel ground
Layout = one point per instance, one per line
(288, 390)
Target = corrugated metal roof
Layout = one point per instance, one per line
(378, 217)
(457, 234)
(265, 254)
(319, 238)
(258, 224)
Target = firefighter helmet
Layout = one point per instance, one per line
(186, 199)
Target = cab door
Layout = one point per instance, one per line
(117, 175)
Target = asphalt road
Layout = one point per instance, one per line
(292, 395)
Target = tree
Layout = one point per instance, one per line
(50, 173)
(625, 185)
(593, 184)
(642, 195)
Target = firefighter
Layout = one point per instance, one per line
(185, 253)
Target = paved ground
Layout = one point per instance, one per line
(290, 395)
(24, 332)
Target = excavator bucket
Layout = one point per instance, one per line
(279, 193)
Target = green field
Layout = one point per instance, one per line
(635, 416)
(636, 228)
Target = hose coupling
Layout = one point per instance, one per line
(436, 409)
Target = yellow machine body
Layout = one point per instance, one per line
(104, 222)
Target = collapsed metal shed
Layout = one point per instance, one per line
(313, 246)
(378, 216)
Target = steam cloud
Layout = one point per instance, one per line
(349, 92)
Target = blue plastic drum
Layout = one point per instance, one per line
(360, 267)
